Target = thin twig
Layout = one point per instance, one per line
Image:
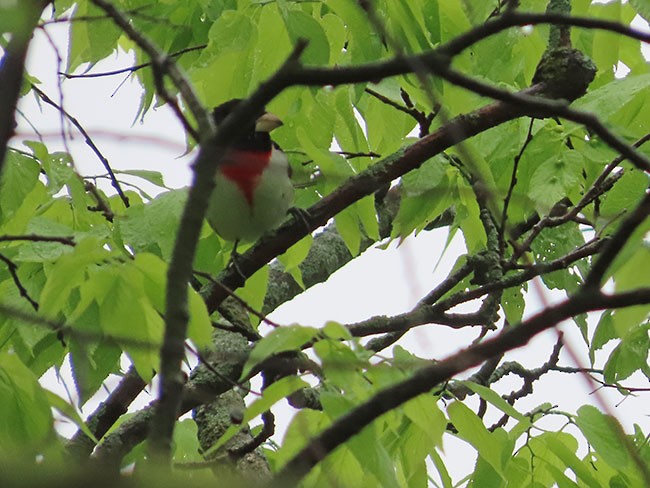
(130, 69)
(68, 241)
(13, 271)
(115, 184)
(511, 187)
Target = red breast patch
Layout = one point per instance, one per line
(244, 168)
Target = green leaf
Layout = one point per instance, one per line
(296, 254)
(68, 410)
(642, 7)
(91, 41)
(186, 443)
(19, 176)
(624, 196)
(199, 328)
(612, 97)
(495, 399)
(364, 43)
(630, 355)
(68, 273)
(39, 252)
(513, 303)
(604, 436)
(286, 338)
(25, 410)
(152, 227)
(558, 445)
(554, 179)
(128, 315)
(154, 276)
(337, 331)
(303, 26)
(91, 361)
(471, 429)
(347, 224)
(254, 291)
(552, 244)
(154, 177)
(423, 411)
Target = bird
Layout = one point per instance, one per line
(253, 191)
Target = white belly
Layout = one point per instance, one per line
(231, 215)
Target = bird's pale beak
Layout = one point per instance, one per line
(267, 122)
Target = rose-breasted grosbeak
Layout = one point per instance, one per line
(253, 190)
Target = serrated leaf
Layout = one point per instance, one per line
(91, 41)
(91, 361)
(128, 316)
(608, 99)
(68, 273)
(423, 411)
(152, 227)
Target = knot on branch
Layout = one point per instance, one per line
(566, 72)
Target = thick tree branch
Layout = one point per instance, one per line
(80, 446)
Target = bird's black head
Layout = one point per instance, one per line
(222, 111)
(254, 135)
